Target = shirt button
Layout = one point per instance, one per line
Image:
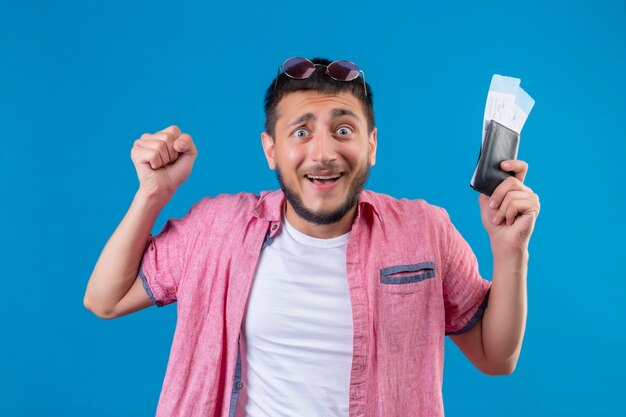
(239, 385)
(274, 227)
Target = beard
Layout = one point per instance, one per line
(325, 216)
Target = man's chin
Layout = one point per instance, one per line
(322, 215)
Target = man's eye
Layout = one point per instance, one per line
(300, 133)
(344, 131)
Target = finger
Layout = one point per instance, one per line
(184, 143)
(158, 142)
(168, 138)
(141, 154)
(519, 168)
(151, 140)
(523, 206)
(173, 130)
(508, 199)
(509, 184)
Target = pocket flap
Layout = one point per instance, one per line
(405, 274)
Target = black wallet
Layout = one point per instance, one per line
(500, 144)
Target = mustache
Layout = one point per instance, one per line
(321, 168)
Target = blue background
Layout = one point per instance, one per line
(80, 81)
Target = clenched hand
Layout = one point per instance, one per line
(163, 161)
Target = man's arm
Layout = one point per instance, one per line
(163, 161)
(493, 345)
(114, 288)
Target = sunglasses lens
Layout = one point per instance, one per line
(298, 68)
(343, 70)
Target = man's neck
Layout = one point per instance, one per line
(321, 231)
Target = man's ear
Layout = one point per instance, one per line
(268, 149)
(372, 147)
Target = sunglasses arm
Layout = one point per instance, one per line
(276, 79)
(364, 85)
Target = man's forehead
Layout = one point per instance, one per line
(299, 103)
(309, 116)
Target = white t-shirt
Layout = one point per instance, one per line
(297, 330)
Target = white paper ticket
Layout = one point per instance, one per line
(507, 103)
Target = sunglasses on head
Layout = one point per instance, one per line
(301, 68)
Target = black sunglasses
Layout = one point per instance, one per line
(301, 68)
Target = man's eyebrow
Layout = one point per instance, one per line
(304, 118)
(335, 113)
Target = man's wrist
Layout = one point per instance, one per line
(149, 201)
(513, 259)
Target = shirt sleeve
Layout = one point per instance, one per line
(466, 293)
(166, 256)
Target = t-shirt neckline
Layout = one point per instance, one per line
(303, 238)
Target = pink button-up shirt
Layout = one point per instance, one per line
(412, 278)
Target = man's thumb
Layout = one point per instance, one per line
(181, 146)
(184, 145)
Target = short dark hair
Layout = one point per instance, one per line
(318, 81)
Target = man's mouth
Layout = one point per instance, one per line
(324, 179)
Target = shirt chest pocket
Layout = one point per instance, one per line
(406, 278)
(407, 307)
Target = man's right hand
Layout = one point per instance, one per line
(163, 161)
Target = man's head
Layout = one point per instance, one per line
(318, 81)
(321, 141)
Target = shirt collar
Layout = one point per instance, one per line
(270, 206)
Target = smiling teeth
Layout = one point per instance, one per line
(328, 177)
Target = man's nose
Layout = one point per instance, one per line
(323, 147)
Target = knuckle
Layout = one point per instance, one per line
(516, 184)
(512, 180)
(502, 192)
(160, 146)
(155, 161)
(511, 214)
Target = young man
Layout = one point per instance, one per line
(319, 299)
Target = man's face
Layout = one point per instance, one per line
(321, 152)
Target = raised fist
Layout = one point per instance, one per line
(163, 160)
